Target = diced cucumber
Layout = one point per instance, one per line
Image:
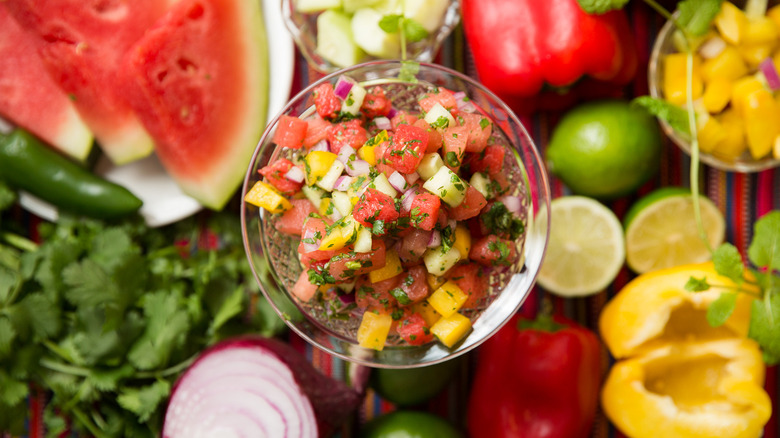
(429, 13)
(388, 7)
(363, 242)
(309, 6)
(334, 39)
(436, 112)
(354, 100)
(343, 202)
(373, 39)
(329, 179)
(480, 182)
(429, 165)
(383, 185)
(314, 194)
(448, 186)
(351, 6)
(346, 287)
(438, 261)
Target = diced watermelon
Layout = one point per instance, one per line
(317, 130)
(499, 185)
(274, 175)
(375, 103)
(290, 132)
(303, 289)
(198, 81)
(291, 221)
(425, 211)
(414, 285)
(470, 207)
(343, 266)
(443, 97)
(492, 250)
(490, 161)
(413, 245)
(351, 133)
(413, 329)
(471, 280)
(402, 118)
(375, 296)
(30, 97)
(454, 139)
(479, 128)
(374, 206)
(314, 229)
(406, 148)
(326, 101)
(434, 136)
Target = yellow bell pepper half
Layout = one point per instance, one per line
(690, 390)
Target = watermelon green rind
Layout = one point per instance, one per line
(31, 99)
(199, 82)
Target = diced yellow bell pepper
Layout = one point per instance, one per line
(450, 330)
(265, 196)
(675, 82)
(727, 65)
(762, 30)
(317, 164)
(734, 143)
(776, 148)
(774, 14)
(326, 207)
(434, 281)
(367, 152)
(717, 94)
(373, 330)
(762, 122)
(340, 235)
(741, 90)
(754, 54)
(711, 133)
(391, 268)
(428, 313)
(462, 239)
(731, 22)
(447, 299)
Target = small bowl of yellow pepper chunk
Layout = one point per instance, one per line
(734, 84)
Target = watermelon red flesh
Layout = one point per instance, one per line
(198, 81)
(83, 43)
(31, 99)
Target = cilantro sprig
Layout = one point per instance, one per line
(409, 30)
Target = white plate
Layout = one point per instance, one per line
(164, 203)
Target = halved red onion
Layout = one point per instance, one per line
(358, 167)
(343, 87)
(712, 47)
(345, 152)
(342, 183)
(769, 71)
(256, 387)
(512, 203)
(383, 123)
(321, 145)
(412, 177)
(397, 181)
(435, 239)
(307, 237)
(407, 199)
(295, 174)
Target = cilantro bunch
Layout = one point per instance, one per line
(105, 316)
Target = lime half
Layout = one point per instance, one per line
(586, 248)
(661, 230)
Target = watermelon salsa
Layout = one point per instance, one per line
(400, 213)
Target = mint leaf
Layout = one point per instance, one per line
(765, 327)
(144, 401)
(697, 15)
(721, 309)
(601, 6)
(390, 23)
(764, 250)
(413, 30)
(409, 70)
(697, 284)
(672, 114)
(728, 262)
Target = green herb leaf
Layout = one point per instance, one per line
(413, 30)
(728, 262)
(697, 15)
(672, 114)
(721, 309)
(601, 6)
(7, 196)
(765, 327)
(13, 391)
(144, 401)
(391, 23)
(409, 70)
(7, 335)
(697, 284)
(764, 250)
(231, 306)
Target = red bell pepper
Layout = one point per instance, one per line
(548, 54)
(538, 382)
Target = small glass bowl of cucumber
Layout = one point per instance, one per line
(328, 318)
(334, 34)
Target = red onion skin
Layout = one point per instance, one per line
(383, 123)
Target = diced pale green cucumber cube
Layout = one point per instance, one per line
(346, 287)
(373, 39)
(354, 100)
(334, 39)
(342, 202)
(352, 6)
(429, 13)
(309, 6)
(480, 182)
(436, 112)
(314, 194)
(363, 242)
(383, 185)
(429, 165)
(388, 7)
(438, 261)
(329, 179)
(448, 186)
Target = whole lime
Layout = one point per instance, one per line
(412, 386)
(605, 149)
(409, 424)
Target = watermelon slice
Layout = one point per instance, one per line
(31, 99)
(199, 82)
(83, 43)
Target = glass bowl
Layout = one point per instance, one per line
(303, 28)
(270, 251)
(664, 44)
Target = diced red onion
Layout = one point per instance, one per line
(6, 127)
(308, 236)
(321, 145)
(412, 177)
(347, 298)
(468, 107)
(435, 239)
(295, 174)
(769, 71)
(712, 47)
(345, 152)
(336, 214)
(392, 113)
(383, 123)
(342, 183)
(407, 199)
(358, 167)
(463, 102)
(452, 223)
(343, 87)
(397, 181)
(512, 203)
(459, 94)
